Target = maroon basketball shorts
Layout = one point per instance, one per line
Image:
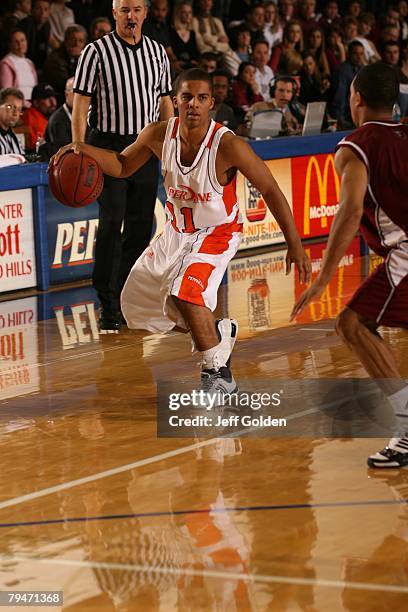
(383, 297)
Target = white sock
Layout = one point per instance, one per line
(399, 402)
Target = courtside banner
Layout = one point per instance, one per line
(315, 194)
(17, 252)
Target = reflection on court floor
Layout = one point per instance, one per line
(94, 504)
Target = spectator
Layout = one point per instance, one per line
(335, 49)
(59, 128)
(99, 27)
(242, 42)
(350, 27)
(345, 75)
(255, 22)
(308, 18)
(313, 85)
(273, 30)
(286, 11)
(157, 28)
(182, 36)
(403, 18)
(16, 70)
(208, 62)
(365, 26)
(35, 118)
(11, 106)
(22, 9)
(264, 74)
(390, 32)
(209, 31)
(331, 16)
(285, 90)
(391, 53)
(62, 62)
(245, 89)
(38, 30)
(61, 18)
(316, 46)
(286, 58)
(403, 69)
(222, 112)
(143, 87)
(354, 9)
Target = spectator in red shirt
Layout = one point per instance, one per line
(35, 118)
(335, 49)
(245, 89)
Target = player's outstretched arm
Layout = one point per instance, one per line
(121, 165)
(354, 182)
(240, 155)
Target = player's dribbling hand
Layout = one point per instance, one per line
(315, 290)
(72, 146)
(297, 255)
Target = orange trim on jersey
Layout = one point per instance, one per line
(229, 195)
(175, 127)
(215, 130)
(217, 242)
(195, 282)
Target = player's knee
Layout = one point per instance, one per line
(347, 324)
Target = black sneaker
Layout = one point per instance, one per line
(110, 321)
(395, 455)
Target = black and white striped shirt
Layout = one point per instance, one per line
(129, 81)
(9, 143)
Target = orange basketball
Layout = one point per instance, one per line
(77, 180)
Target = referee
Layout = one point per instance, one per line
(127, 77)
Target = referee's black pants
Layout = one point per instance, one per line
(130, 202)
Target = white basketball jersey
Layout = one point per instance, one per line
(195, 199)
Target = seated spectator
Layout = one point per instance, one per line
(316, 46)
(35, 118)
(314, 87)
(222, 112)
(285, 90)
(389, 32)
(330, 17)
(62, 62)
(350, 28)
(403, 18)
(264, 74)
(61, 17)
(11, 107)
(391, 53)
(16, 70)
(308, 17)
(335, 49)
(100, 26)
(354, 9)
(255, 22)
(59, 128)
(241, 42)
(273, 30)
(157, 27)
(286, 11)
(403, 69)
(344, 77)
(245, 89)
(182, 36)
(22, 9)
(209, 31)
(38, 30)
(208, 62)
(366, 22)
(286, 58)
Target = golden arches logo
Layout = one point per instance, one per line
(322, 184)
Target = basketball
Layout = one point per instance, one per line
(77, 180)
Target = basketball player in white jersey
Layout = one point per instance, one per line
(174, 283)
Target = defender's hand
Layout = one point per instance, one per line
(315, 290)
(298, 256)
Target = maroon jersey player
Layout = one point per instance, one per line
(373, 164)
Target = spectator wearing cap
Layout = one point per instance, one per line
(35, 118)
(62, 62)
(61, 17)
(59, 129)
(11, 106)
(16, 70)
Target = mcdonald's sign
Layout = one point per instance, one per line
(315, 193)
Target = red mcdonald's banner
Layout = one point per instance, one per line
(315, 194)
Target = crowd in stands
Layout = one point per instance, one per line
(279, 54)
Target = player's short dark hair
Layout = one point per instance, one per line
(193, 74)
(378, 85)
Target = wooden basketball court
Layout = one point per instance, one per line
(93, 504)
